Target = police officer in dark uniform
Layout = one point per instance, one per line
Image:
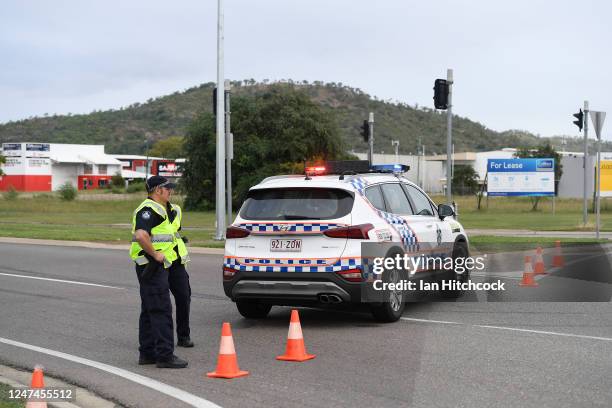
(160, 268)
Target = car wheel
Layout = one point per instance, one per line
(252, 309)
(391, 309)
(460, 250)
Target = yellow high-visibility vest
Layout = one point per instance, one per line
(164, 236)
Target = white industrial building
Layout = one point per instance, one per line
(47, 166)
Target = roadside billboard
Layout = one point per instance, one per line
(521, 177)
(169, 169)
(606, 174)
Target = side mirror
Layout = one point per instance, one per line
(445, 211)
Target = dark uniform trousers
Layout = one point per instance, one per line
(155, 326)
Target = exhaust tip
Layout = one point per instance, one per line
(334, 299)
(324, 298)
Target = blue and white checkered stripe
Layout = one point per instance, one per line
(340, 265)
(359, 183)
(409, 241)
(297, 227)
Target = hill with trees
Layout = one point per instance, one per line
(135, 128)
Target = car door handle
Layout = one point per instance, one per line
(429, 225)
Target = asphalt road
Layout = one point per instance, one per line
(470, 353)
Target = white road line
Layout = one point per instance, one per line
(60, 280)
(580, 336)
(169, 390)
(411, 319)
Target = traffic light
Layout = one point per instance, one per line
(441, 94)
(579, 119)
(365, 131)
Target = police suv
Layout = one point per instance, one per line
(298, 239)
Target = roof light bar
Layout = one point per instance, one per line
(390, 168)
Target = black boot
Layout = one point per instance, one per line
(184, 342)
(172, 362)
(144, 360)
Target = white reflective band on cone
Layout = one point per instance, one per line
(227, 345)
(295, 331)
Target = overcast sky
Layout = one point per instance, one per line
(521, 64)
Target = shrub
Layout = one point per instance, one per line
(67, 191)
(136, 187)
(11, 194)
(117, 190)
(117, 180)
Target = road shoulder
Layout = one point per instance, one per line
(95, 245)
(84, 398)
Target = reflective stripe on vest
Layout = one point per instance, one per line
(160, 238)
(142, 260)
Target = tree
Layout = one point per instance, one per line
(2, 161)
(274, 132)
(543, 151)
(465, 179)
(170, 148)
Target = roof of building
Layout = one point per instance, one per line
(86, 158)
(135, 157)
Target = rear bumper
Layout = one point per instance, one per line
(294, 288)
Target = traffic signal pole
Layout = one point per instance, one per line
(585, 161)
(371, 138)
(449, 137)
(229, 150)
(220, 191)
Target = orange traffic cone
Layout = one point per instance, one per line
(539, 263)
(558, 257)
(296, 350)
(528, 274)
(37, 382)
(227, 364)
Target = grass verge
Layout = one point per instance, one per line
(5, 402)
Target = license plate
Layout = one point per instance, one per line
(286, 245)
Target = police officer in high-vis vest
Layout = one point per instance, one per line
(160, 255)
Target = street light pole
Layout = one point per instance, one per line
(395, 144)
(229, 150)
(220, 191)
(449, 136)
(586, 152)
(371, 138)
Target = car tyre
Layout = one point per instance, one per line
(460, 250)
(252, 309)
(392, 308)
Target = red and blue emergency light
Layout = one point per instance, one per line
(351, 166)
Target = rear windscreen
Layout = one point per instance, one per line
(296, 204)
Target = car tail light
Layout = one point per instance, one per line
(235, 232)
(228, 273)
(352, 232)
(351, 275)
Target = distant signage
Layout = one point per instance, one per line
(11, 149)
(13, 162)
(37, 149)
(169, 169)
(606, 174)
(38, 162)
(521, 177)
